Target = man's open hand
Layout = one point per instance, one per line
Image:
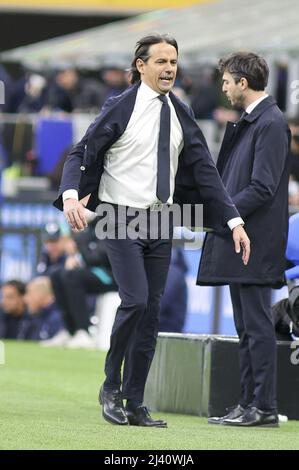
(241, 241)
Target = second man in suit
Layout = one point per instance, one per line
(253, 163)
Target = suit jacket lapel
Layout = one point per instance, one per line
(110, 125)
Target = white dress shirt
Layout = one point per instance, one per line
(130, 165)
(253, 105)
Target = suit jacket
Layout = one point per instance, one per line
(253, 163)
(197, 180)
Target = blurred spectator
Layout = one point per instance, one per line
(205, 94)
(45, 318)
(294, 162)
(69, 92)
(115, 79)
(294, 168)
(53, 254)
(6, 88)
(174, 300)
(28, 94)
(183, 80)
(222, 115)
(13, 312)
(181, 94)
(55, 175)
(87, 271)
(34, 94)
(286, 316)
(281, 83)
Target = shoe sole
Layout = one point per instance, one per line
(218, 421)
(147, 426)
(274, 425)
(160, 424)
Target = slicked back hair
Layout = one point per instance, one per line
(142, 50)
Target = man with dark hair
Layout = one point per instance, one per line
(53, 255)
(253, 163)
(13, 312)
(143, 150)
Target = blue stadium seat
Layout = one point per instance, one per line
(292, 251)
(52, 138)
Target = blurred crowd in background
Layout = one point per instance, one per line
(70, 91)
(58, 306)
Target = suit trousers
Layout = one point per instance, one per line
(140, 268)
(257, 346)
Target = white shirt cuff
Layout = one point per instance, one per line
(232, 223)
(70, 194)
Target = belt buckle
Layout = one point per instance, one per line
(157, 206)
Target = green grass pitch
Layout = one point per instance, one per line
(48, 400)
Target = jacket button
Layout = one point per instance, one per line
(82, 168)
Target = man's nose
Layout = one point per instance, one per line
(169, 67)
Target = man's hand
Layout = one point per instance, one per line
(241, 240)
(74, 214)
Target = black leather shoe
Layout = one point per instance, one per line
(112, 407)
(254, 417)
(141, 417)
(233, 412)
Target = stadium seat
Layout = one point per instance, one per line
(292, 251)
(52, 138)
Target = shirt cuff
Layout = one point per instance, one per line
(70, 194)
(232, 223)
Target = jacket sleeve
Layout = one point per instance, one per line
(270, 156)
(218, 206)
(71, 171)
(71, 174)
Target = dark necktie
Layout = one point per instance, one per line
(243, 115)
(163, 164)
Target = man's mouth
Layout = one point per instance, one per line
(166, 79)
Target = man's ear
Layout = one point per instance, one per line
(244, 83)
(139, 65)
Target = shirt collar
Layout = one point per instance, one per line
(147, 93)
(253, 105)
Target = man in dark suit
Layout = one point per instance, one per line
(253, 163)
(143, 151)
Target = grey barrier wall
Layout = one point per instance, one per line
(199, 375)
